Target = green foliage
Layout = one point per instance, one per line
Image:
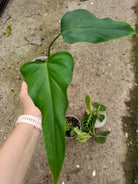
(47, 86)
(82, 26)
(99, 107)
(70, 127)
(8, 30)
(88, 103)
(101, 117)
(81, 136)
(48, 81)
(72, 132)
(88, 121)
(101, 137)
(67, 127)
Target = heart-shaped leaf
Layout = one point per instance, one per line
(47, 86)
(82, 26)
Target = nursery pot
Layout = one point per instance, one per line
(99, 124)
(40, 59)
(75, 122)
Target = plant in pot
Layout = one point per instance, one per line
(71, 122)
(94, 117)
(48, 81)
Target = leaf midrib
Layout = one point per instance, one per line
(52, 109)
(91, 28)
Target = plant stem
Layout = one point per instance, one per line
(88, 121)
(98, 110)
(94, 131)
(90, 132)
(52, 44)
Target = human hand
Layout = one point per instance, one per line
(28, 106)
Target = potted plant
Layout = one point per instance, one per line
(94, 117)
(48, 81)
(97, 112)
(71, 122)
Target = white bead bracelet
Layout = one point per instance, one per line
(32, 120)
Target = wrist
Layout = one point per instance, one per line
(35, 114)
(31, 120)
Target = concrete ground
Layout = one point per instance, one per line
(103, 71)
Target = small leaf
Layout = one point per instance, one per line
(67, 127)
(88, 103)
(101, 117)
(82, 26)
(72, 133)
(81, 136)
(105, 133)
(84, 121)
(101, 137)
(8, 30)
(99, 107)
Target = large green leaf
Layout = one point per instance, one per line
(82, 26)
(47, 86)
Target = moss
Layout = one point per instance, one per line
(131, 122)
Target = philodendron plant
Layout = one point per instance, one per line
(48, 81)
(95, 114)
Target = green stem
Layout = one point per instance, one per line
(97, 111)
(88, 121)
(94, 131)
(52, 44)
(90, 132)
(99, 107)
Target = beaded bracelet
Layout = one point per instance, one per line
(32, 120)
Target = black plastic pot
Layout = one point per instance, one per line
(75, 122)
